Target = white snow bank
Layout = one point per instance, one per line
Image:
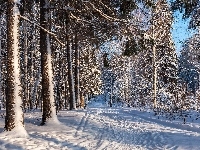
(17, 132)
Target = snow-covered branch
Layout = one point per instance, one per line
(108, 17)
(78, 19)
(106, 7)
(47, 31)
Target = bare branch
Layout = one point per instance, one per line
(47, 31)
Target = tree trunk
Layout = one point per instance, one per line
(46, 68)
(0, 69)
(154, 67)
(14, 114)
(111, 92)
(66, 93)
(31, 79)
(26, 94)
(34, 93)
(82, 101)
(154, 78)
(72, 101)
(77, 75)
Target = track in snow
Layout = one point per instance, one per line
(103, 128)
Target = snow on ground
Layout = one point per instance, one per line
(100, 127)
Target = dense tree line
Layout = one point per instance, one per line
(151, 75)
(50, 50)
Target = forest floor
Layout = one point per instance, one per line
(103, 128)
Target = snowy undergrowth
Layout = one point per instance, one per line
(184, 117)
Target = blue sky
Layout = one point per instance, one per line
(180, 31)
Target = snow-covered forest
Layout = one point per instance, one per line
(98, 74)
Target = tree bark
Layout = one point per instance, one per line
(14, 114)
(46, 67)
(154, 66)
(77, 74)
(0, 69)
(154, 78)
(72, 101)
(26, 94)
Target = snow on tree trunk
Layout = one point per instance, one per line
(26, 94)
(31, 80)
(77, 72)
(72, 80)
(51, 86)
(49, 112)
(70, 76)
(36, 86)
(154, 78)
(111, 93)
(0, 70)
(35, 81)
(154, 64)
(14, 120)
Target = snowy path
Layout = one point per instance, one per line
(99, 128)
